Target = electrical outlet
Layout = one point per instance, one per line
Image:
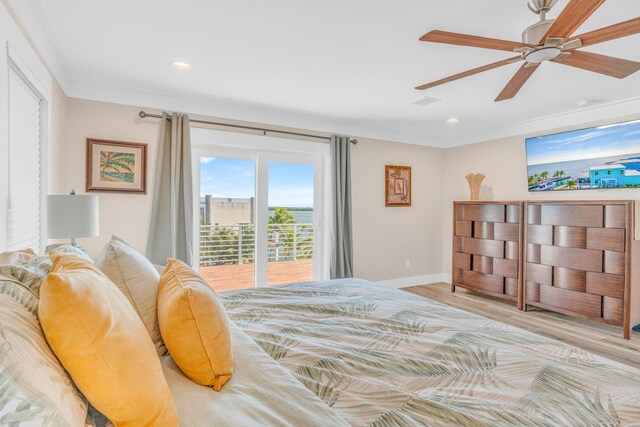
(407, 263)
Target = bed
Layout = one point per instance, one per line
(349, 352)
(382, 357)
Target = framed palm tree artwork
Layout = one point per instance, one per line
(116, 167)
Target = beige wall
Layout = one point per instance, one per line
(384, 238)
(125, 215)
(57, 150)
(504, 163)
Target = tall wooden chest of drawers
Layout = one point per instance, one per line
(578, 260)
(574, 257)
(487, 249)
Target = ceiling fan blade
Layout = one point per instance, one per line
(573, 15)
(602, 64)
(437, 36)
(623, 29)
(515, 84)
(470, 73)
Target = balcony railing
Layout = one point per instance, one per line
(235, 244)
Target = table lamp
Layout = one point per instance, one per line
(72, 216)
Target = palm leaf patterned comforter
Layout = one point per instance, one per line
(383, 357)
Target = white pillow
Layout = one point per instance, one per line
(138, 279)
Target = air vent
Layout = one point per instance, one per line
(426, 101)
(586, 103)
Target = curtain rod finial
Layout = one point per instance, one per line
(142, 114)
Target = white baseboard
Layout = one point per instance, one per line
(426, 279)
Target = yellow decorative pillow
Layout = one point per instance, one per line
(194, 326)
(104, 345)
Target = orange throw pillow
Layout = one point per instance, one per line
(103, 344)
(194, 325)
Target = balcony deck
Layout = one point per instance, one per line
(239, 276)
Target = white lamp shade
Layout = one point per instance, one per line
(70, 216)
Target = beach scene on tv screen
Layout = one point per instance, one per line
(595, 158)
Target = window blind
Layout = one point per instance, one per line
(23, 216)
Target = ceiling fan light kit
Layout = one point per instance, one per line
(548, 40)
(545, 53)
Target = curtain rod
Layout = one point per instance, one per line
(144, 115)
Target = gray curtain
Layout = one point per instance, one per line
(171, 230)
(342, 244)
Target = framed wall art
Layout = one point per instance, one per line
(398, 185)
(116, 167)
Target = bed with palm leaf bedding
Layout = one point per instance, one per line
(383, 357)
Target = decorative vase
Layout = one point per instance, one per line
(475, 181)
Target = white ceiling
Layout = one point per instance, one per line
(350, 64)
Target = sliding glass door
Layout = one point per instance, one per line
(227, 221)
(261, 210)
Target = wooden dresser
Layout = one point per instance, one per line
(578, 258)
(487, 249)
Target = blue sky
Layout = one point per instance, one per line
(602, 141)
(290, 184)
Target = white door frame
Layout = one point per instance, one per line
(263, 150)
(266, 157)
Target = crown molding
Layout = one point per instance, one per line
(32, 20)
(602, 113)
(233, 110)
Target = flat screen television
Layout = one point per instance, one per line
(594, 158)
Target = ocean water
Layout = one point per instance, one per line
(300, 216)
(120, 176)
(574, 167)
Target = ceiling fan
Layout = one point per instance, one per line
(547, 40)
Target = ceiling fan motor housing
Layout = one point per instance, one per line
(534, 33)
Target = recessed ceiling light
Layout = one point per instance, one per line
(181, 65)
(452, 121)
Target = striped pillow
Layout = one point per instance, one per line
(34, 387)
(32, 272)
(20, 293)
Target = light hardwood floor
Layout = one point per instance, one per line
(604, 340)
